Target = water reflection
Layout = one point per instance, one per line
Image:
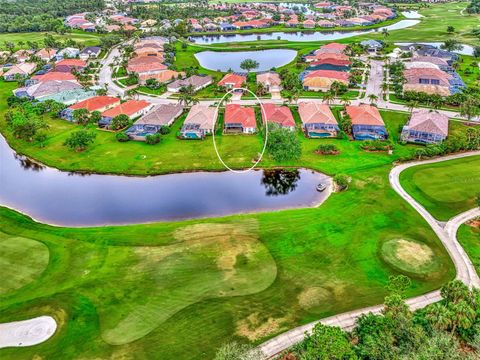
(27, 163)
(280, 182)
(81, 199)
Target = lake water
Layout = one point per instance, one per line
(465, 50)
(299, 36)
(66, 199)
(223, 61)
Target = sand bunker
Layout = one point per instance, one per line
(27, 332)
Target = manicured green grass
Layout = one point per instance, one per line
(445, 189)
(469, 238)
(433, 26)
(469, 70)
(84, 38)
(227, 276)
(22, 261)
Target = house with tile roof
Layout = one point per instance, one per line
(22, 71)
(233, 81)
(46, 54)
(90, 52)
(70, 65)
(199, 122)
(318, 120)
(332, 48)
(153, 121)
(270, 80)
(52, 76)
(277, 114)
(429, 80)
(322, 80)
(131, 108)
(164, 76)
(308, 24)
(145, 65)
(367, 123)
(43, 89)
(239, 119)
(96, 103)
(425, 127)
(196, 81)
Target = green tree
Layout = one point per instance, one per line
(326, 343)
(450, 29)
(95, 116)
(283, 144)
(236, 351)
(81, 116)
(451, 45)
(25, 123)
(249, 64)
(187, 95)
(119, 122)
(470, 108)
(79, 140)
(373, 98)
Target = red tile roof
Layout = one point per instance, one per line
(72, 62)
(331, 74)
(429, 121)
(280, 115)
(128, 108)
(96, 103)
(143, 64)
(364, 115)
(55, 75)
(312, 113)
(233, 79)
(235, 113)
(332, 47)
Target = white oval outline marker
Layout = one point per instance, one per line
(266, 131)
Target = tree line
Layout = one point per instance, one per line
(449, 329)
(42, 15)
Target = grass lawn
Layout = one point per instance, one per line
(433, 27)
(469, 238)
(445, 189)
(140, 291)
(84, 38)
(469, 70)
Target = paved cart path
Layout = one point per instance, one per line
(447, 233)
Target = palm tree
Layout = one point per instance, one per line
(186, 96)
(463, 315)
(385, 32)
(328, 97)
(373, 98)
(439, 316)
(412, 104)
(385, 88)
(345, 100)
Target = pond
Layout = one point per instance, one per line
(465, 50)
(301, 36)
(223, 61)
(71, 199)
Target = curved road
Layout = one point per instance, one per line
(447, 235)
(373, 87)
